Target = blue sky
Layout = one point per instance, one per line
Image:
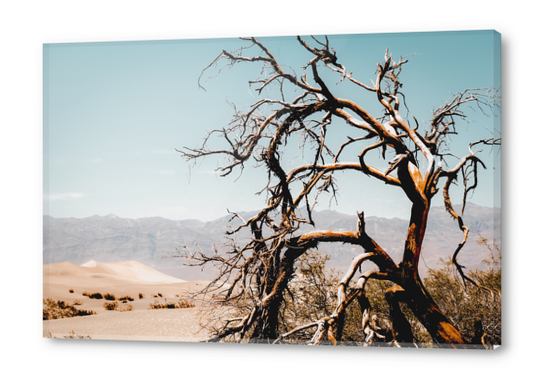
(115, 112)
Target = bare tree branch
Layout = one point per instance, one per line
(256, 275)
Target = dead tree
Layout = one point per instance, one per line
(258, 273)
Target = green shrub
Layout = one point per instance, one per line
(71, 291)
(53, 310)
(127, 298)
(141, 296)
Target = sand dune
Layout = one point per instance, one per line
(130, 271)
(67, 282)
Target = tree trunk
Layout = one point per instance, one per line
(416, 296)
(401, 329)
(427, 312)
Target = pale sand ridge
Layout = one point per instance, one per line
(133, 271)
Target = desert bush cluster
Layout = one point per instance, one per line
(71, 335)
(95, 295)
(114, 306)
(110, 296)
(59, 309)
(125, 308)
(474, 310)
(171, 305)
(111, 306)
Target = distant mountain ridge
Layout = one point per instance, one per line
(149, 240)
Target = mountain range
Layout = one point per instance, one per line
(152, 240)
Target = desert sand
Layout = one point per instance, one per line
(123, 279)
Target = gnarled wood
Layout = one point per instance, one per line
(260, 272)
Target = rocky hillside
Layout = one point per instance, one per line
(150, 240)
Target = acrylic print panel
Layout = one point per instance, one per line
(326, 190)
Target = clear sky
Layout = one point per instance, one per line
(115, 112)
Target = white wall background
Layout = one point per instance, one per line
(26, 25)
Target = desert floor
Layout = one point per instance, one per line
(123, 279)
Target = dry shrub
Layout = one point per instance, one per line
(71, 335)
(126, 308)
(53, 310)
(109, 296)
(186, 304)
(95, 295)
(172, 305)
(111, 306)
